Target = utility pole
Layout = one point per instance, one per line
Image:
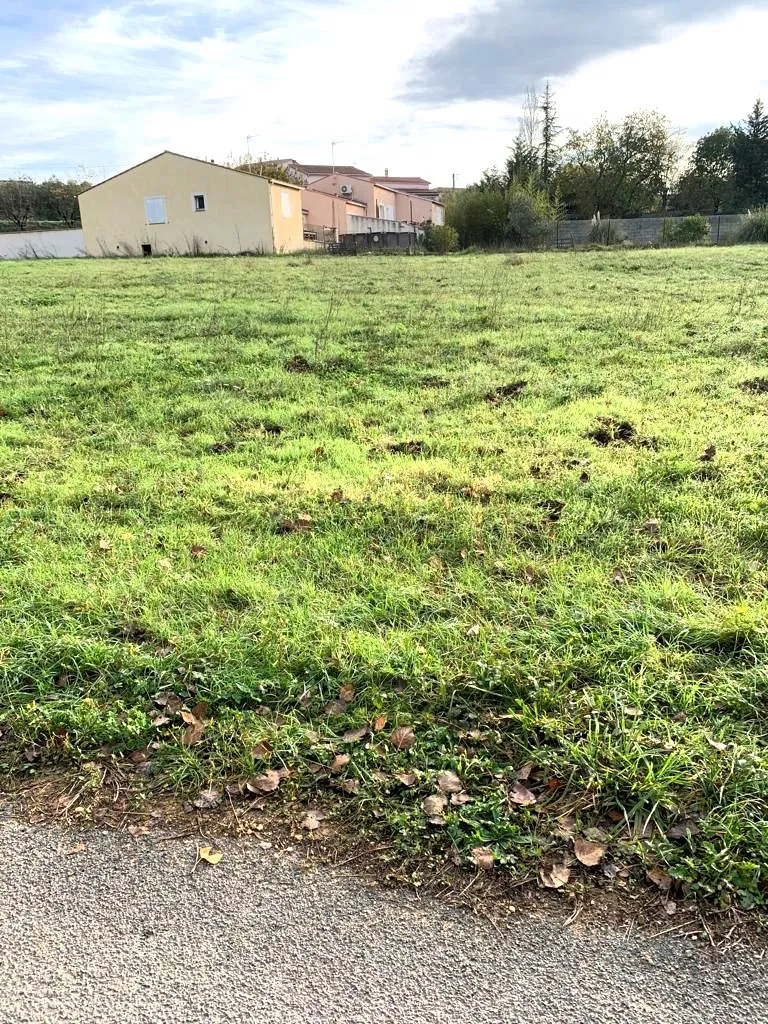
(333, 154)
(248, 146)
(454, 176)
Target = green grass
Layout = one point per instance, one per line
(495, 585)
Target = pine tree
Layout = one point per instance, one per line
(750, 159)
(549, 133)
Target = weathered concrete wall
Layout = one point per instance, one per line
(643, 230)
(30, 245)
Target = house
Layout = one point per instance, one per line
(310, 173)
(379, 203)
(179, 204)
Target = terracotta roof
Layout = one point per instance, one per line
(420, 182)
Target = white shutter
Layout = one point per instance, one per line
(154, 209)
(285, 204)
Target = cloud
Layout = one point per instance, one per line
(507, 45)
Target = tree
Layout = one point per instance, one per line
(550, 130)
(57, 201)
(273, 169)
(750, 159)
(621, 169)
(524, 160)
(17, 201)
(707, 185)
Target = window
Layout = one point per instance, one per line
(146, 249)
(386, 212)
(285, 205)
(154, 208)
(198, 201)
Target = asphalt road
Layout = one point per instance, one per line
(122, 932)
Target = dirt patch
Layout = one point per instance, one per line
(435, 382)
(298, 364)
(609, 431)
(756, 386)
(507, 392)
(221, 448)
(407, 448)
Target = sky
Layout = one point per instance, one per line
(422, 87)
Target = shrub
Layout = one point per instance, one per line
(753, 227)
(441, 238)
(685, 231)
(530, 216)
(605, 232)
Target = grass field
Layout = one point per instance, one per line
(517, 505)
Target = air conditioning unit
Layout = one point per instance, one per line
(346, 190)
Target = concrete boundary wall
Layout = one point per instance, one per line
(41, 245)
(643, 230)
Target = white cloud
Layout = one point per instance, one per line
(199, 77)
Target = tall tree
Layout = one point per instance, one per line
(620, 169)
(17, 201)
(550, 130)
(707, 184)
(57, 201)
(524, 161)
(750, 159)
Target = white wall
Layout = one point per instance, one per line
(41, 244)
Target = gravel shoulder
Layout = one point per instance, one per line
(104, 928)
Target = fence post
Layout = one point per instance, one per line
(717, 242)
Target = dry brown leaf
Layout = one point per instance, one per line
(554, 874)
(520, 795)
(449, 782)
(335, 707)
(403, 738)
(405, 779)
(338, 763)
(587, 853)
(261, 752)
(651, 526)
(473, 630)
(266, 783)
(619, 577)
(207, 799)
(524, 773)
(311, 820)
(197, 550)
(482, 858)
(104, 545)
(77, 848)
(347, 693)
(433, 806)
(350, 785)
(209, 854)
(337, 495)
(708, 454)
(460, 799)
(379, 722)
(660, 878)
(355, 735)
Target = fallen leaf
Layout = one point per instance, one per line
(670, 908)
(460, 799)
(164, 563)
(449, 782)
(311, 820)
(337, 495)
(521, 796)
(660, 878)
(195, 722)
(209, 855)
(681, 829)
(338, 763)
(160, 720)
(406, 780)
(482, 858)
(618, 577)
(554, 874)
(473, 631)
(347, 693)
(266, 783)
(587, 853)
(335, 707)
(77, 848)
(207, 799)
(403, 738)
(379, 722)
(355, 735)
(197, 551)
(652, 526)
(104, 545)
(708, 454)
(524, 773)
(261, 752)
(716, 745)
(350, 785)
(433, 806)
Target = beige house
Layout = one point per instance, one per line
(178, 204)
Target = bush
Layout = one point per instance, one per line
(441, 238)
(753, 227)
(605, 232)
(530, 216)
(685, 231)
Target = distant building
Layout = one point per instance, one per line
(179, 204)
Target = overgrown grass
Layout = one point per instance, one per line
(474, 496)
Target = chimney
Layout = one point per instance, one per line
(386, 172)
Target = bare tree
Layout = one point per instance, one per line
(17, 201)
